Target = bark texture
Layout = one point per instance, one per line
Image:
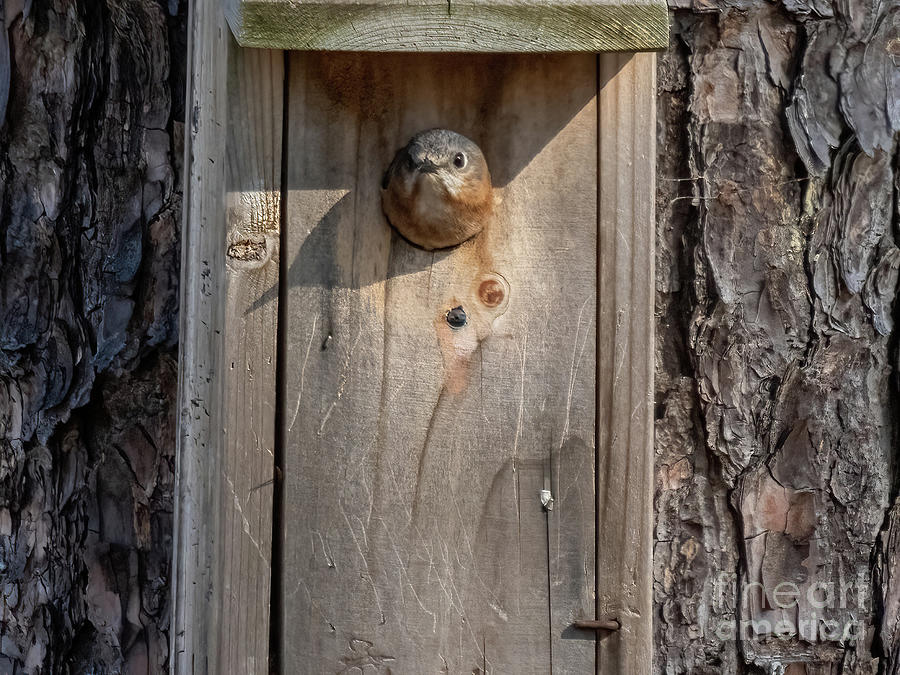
(777, 401)
(777, 380)
(90, 148)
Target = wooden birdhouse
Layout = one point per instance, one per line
(403, 460)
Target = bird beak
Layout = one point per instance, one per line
(427, 166)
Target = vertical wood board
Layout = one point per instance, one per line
(253, 212)
(414, 535)
(222, 549)
(198, 523)
(627, 110)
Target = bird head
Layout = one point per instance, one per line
(437, 191)
(439, 159)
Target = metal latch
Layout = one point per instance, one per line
(598, 624)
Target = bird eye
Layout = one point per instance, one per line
(459, 161)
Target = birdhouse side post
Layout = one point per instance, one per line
(625, 358)
(222, 553)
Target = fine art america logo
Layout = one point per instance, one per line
(814, 612)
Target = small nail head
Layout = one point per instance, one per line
(456, 317)
(547, 499)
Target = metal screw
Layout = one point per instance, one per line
(456, 317)
(547, 499)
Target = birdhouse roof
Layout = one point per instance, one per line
(451, 25)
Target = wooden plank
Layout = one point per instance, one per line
(253, 213)
(198, 524)
(223, 510)
(625, 365)
(445, 26)
(415, 538)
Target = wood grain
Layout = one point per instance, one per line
(445, 26)
(253, 212)
(627, 149)
(222, 550)
(414, 537)
(196, 582)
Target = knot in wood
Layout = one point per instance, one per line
(247, 250)
(491, 292)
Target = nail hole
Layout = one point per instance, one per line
(456, 317)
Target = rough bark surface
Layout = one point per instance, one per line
(777, 401)
(90, 148)
(777, 380)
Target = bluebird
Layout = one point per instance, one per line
(437, 191)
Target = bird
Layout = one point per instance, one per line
(437, 191)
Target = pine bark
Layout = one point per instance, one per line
(90, 154)
(777, 390)
(778, 401)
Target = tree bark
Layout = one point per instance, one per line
(777, 356)
(90, 154)
(777, 396)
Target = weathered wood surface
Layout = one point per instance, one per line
(197, 560)
(228, 354)
(627, 114)
(414, 538)
(777, 392)
(253, 211)
(445, 26)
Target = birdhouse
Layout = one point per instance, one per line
(401, 450)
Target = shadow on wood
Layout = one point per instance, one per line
(416, 453)
(488, 98)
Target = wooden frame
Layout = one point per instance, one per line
(225, 460)
(625, 358)
(445, 26)
(221, 576)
